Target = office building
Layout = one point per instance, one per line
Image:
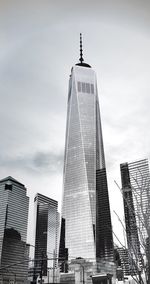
(13, 230)
(86, 221)
(46, 234)
(136, 196)
(124, 260)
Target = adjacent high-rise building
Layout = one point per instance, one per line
(86, 221)
(124, 260)
(13, 230)
(46, 234)
(136, 196)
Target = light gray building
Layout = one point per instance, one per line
(86, 223)
(13, 230)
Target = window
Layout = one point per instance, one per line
(85, 88)
(8, 186)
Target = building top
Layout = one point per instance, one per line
(40, 198)
(140, 162)
(11, 179)
(82, 63)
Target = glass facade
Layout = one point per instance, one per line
(84, 155)
(14, 205)
(136, 196)
(47, 225)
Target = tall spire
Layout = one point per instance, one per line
(81, 54)
(81, 60)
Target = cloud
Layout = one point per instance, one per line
(50, 162)
(45, 163)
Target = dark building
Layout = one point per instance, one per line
(104, 245)
(63, 251)
(124, 260)
(46, 234)
(136, 196)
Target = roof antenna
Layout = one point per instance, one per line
(81, 54)
(81, 63)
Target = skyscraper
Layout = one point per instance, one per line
(46, 233)
(13, 230)
(86, 217)
(136, 195)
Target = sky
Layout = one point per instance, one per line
(39, 43)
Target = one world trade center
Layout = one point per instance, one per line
(86, 230)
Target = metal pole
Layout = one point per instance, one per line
(48, 275)
(41, 268)
(83, 275)
(53, 271)
(53, 266)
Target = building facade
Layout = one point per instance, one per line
(13, 230)
(86, 220)
(46, 234)
(136, 196)
(124, 260)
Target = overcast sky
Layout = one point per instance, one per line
(39, 43)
